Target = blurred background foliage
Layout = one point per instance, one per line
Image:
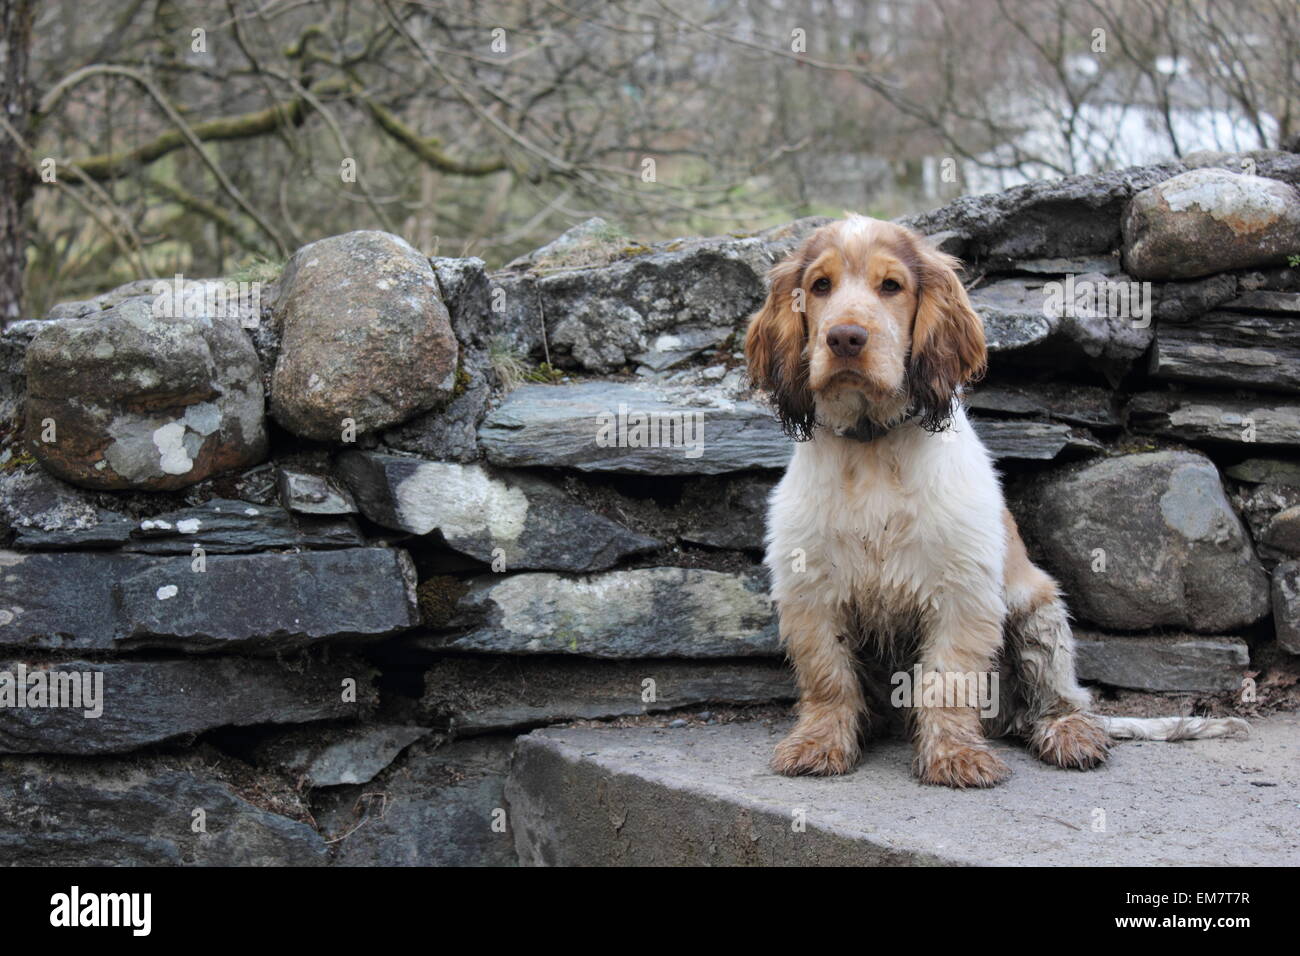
(213, 138)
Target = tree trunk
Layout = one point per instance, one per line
(15, 172)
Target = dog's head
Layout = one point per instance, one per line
(864, 320)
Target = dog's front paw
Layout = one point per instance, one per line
(1075, 741)
(801, 754)
(963, 766)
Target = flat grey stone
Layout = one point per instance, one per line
(336, 756)
(1041, 441)
(45, 512)
(648, 612)
(1087, 406)
(1162, 663)
(148, 702)
(1265, 471)
(1230, 350)
(1209, 417)
(1072, 316)
(636, 429)
(704, 796)
(1069, 217)
(1268, 303)
(259, 603)
(478, 694)
(227, 526)
(311, 494)
(488, 514)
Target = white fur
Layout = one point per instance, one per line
(906, 525)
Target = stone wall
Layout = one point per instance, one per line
(328, 557)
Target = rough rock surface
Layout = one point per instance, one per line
(650, 612)
(1077, 215)
(1231, 350)
(312, 494)
(128, 399)
(1286, 605)
(439, 806)
(1210, 220)
(364, 337)
(603, 304)
(148, 702)
(262, 603)
(336, 756)
(1181, 663)
(1071, 317)
(512, 520)
(1214, 417)
(613, 426)
(476, 694)
(1145, 541)
(45, 512)
(143, 812)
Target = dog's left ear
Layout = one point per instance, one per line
(948, 347)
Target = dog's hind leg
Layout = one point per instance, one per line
(1050, 708)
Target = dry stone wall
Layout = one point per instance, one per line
(323, 560)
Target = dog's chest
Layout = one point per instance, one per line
(880, 528)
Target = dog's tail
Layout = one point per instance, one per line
(1173, 728)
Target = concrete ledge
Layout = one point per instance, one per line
(704, 796)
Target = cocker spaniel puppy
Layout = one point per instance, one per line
(888, 536)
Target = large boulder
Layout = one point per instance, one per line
(1146, 541)
(364, 337)
(1210, 220)
(137, 400)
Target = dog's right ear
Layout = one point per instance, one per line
(774, 349)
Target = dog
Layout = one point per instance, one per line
(888, 535)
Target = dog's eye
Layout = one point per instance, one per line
(822, 286)
(890, 286)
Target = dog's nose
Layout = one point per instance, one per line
(846, 341)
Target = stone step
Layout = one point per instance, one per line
(704, 796)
